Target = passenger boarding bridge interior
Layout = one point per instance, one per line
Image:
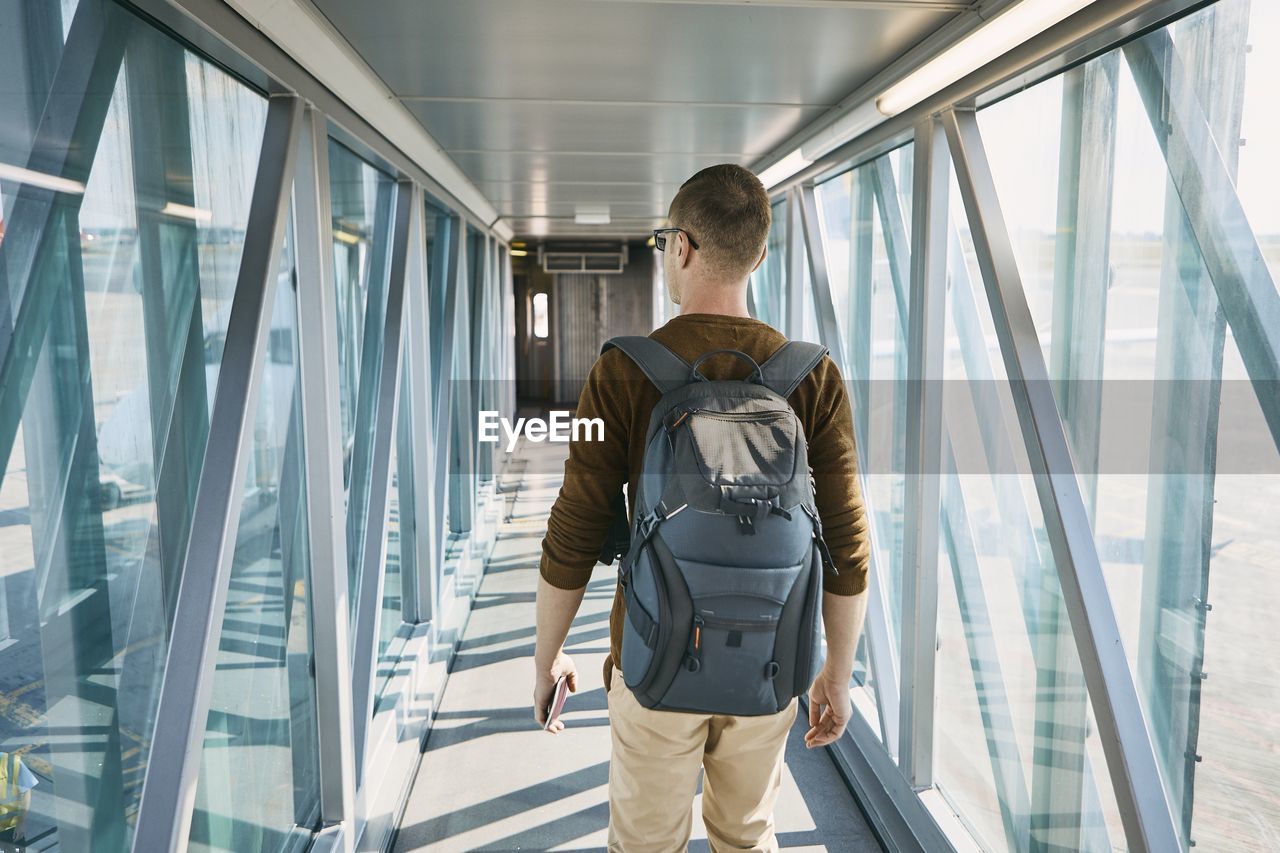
(264, 263)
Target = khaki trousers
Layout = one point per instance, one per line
(653, 776)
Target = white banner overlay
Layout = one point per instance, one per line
(560, 427)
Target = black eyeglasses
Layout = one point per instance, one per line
(660, 237)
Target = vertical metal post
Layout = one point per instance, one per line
(482, 350)
(321, 417)
(793, 289)
(373, 554)
(925, 343)
(169, 788)
(1125, 740)
(510, 362)
(462, 496)
(417, 395)
(451, 263)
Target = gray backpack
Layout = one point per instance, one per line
(723, 577)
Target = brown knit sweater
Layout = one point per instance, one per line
(618, 392)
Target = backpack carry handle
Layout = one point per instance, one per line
(755, 376)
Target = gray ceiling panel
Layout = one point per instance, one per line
(553, 104)
(617, 210)
(655, 195)
(752, 130)
(628, 51)
(552, 169)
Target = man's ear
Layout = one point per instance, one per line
(686, 251)
(763, 253)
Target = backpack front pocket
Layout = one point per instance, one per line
(645, 600)
(729, 663)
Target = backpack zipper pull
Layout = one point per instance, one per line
(683, 415)
(693, 658)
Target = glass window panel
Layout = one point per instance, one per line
(259, 778)
(1016, 751)
(1258, 140)
(400, 562)
(361, 198)
(869, 286)
(1171, 449)
(130, 292)
(768, 282)
(864, 688)
(540, 325)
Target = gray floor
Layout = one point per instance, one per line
(491, 780)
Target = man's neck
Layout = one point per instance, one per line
(731, 301)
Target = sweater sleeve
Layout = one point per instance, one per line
(593, 474)
(833, 456)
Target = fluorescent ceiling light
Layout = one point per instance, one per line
(591, 215)
(10, 172)
(539, 227)
(993, 39)
(519, 253)
(186, 211)
(784, 168)
(854, 123)
(346, 237)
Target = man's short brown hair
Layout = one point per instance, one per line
(726, 210)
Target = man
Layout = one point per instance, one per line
(720, 225)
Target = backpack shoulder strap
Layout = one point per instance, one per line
(665, 369)
(788, 367)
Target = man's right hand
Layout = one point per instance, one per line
(829, 709)
(545, 684)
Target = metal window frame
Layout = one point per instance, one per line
(819, 283)
(1068, 42)
(454, 267)
(371, 576)
(1094, 30)
(1228, 245)
(425, 593)
(293, 157)
(65, 145)
(793, 288)
(169, 786)
(926, 322)
(1126, 742)
(326, 505)
(460, 466)
(1089, 34)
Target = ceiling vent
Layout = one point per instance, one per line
(583, 257)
